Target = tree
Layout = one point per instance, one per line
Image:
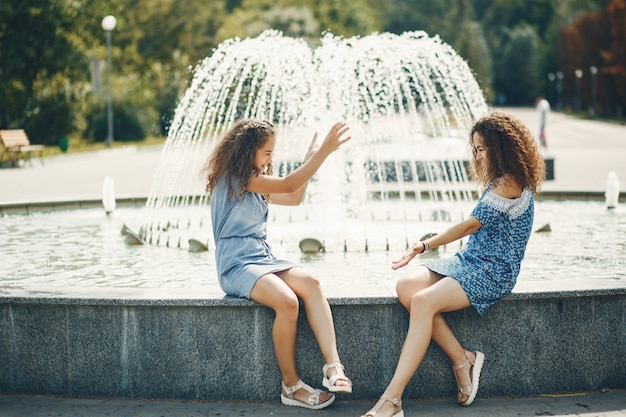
(615, 56)
(410, 15)
(32, 48)
(295, 21)
(516, 66)
(596, 39)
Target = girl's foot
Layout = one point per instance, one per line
(467, 376)
(303, 395)
(335, 379)
(386, 407)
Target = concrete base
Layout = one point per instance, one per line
(222, 349)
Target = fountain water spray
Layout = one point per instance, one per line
(612, 190)
(409, 101)
(108, 195)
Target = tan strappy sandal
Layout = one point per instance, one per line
(313, 402)
(397, 404)
(329, 382)
(472, 388)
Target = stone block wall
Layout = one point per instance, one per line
(222, 349)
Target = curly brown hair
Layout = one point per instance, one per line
(512, 151)
(234, 155)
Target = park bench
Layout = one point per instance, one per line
(16, 147)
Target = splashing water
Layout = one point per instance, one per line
(409, 101)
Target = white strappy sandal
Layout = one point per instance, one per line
(313, 401)
(397, 404)
(329, 382)
(472, 388)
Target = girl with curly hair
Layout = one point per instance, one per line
(241, 185)
(510, 169)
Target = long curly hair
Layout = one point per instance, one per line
(512, 151)
(234, 155)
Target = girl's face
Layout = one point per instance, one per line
(479, 149)
(263, 155)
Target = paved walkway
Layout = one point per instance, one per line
(584, 152)
(594, 404)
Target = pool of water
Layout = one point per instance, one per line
(85, 248)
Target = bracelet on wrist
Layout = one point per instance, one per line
(426, 247)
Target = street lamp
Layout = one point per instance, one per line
(594, 71)
(108, 24)
(579, 75)
(559, 87)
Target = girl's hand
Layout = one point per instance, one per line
(313, 147)
(404, 261)
(334, 138)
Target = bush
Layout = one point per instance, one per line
(127, 125)
(52, 113)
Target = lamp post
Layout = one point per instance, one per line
(594, 71)
(559, 88)
(579, 101)
(108, 24)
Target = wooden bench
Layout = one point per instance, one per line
(16, 147)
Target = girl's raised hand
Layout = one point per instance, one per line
(335, 137)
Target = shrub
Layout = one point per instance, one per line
(127, 125)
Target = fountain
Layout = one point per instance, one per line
(409, 100)
(84, 314)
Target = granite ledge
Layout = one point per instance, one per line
(188, 297)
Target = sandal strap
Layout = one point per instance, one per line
(467, 362)
(314, 394)
(468, 387)
(337, 365)
(397, 403)
(290, 390)
(337, 377)
(462, 390)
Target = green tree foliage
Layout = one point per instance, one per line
(296, 21)
(516, 67)
(411, 15)
(301, 18)
(453, 21)
(346, 17)
(35, 45)
(48, 46)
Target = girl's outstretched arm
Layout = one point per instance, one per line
(295, 182)
(295, 198)
(459, 230)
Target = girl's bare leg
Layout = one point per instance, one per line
(318, 313)
(273, 292)
(441, 332)
(444, 295)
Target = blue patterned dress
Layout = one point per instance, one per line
(488, 266)
(242, 254)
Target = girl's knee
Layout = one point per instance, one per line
(404, 286)
(420, 303)
(312, 285)
(288, 304)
